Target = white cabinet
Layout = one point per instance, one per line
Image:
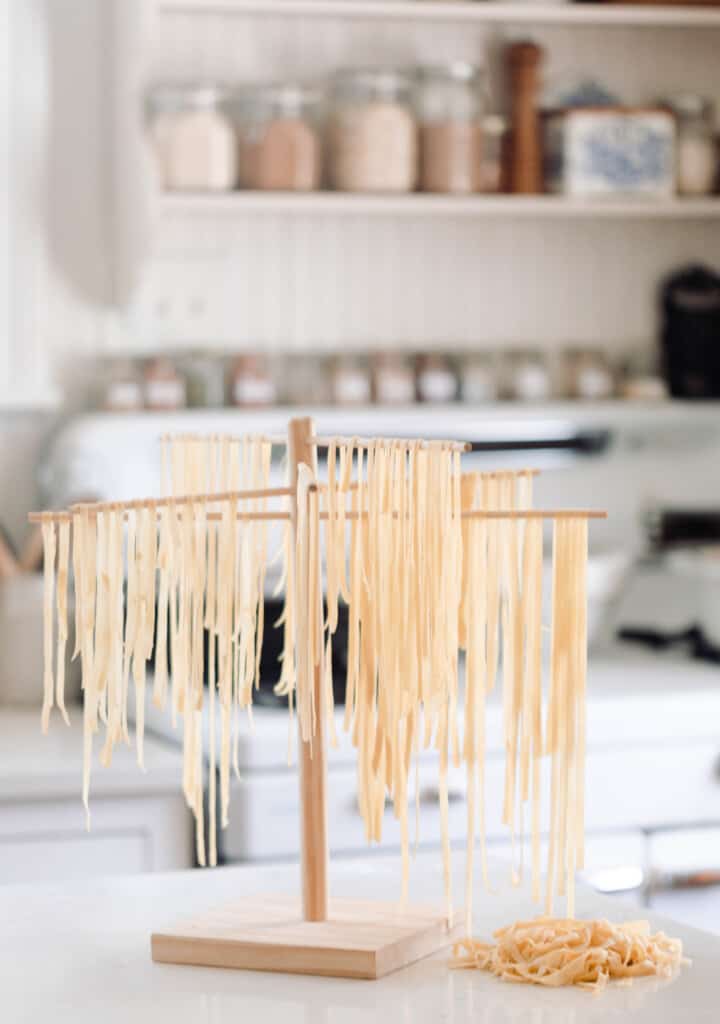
(139, 822)
(46, 840)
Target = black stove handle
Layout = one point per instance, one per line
(584, 442)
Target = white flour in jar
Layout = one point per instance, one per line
(196, 150)
(374, 148)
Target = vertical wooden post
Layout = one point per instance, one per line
(313, 773)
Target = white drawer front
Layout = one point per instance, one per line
(653, 786)
(626, 788)
(47, 839)
(264, 819)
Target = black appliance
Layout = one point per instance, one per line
(690, 337)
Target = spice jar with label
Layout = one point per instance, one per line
(163, 386)
(279, 137)
(373, 144)
(695, 155)
(393, 379)
(251, 382)
(193, 137)
(450, 108)
(436, 379)
(350, 381)
(588, 374)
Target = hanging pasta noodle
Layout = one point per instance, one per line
(48, 537)
(202, 576)
(214, 577)
(85, 542)
(565, 723)
(492, 583)
(473, 618)
(403, 587)
(62, 615)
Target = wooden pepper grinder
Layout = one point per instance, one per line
(525, 167)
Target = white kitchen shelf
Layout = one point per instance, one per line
(490, 11)
(421, 205)
(408, 418)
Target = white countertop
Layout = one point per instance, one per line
(81, 953)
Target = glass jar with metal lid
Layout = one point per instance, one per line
(450, 109)
(279, 137)
(373, 131)
(695, 156)
(193, 136)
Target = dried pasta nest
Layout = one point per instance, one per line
(555, 952)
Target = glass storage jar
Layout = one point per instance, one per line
(122, 388)
(528, 376)
(479, 378)
(450, 109)
(193, 136)
(589, 375)
(164, 386)
(695, 155)
(251, 382)
(351, 381)
(393, 379)
(436, 379)
(372, 132)
(279, 137)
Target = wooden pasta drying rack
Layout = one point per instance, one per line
(312, 935)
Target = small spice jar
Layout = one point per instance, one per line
(641, 378)
(306, 380)
(193, 137)
(436, 379)
(450, 108)
(350, 381)
(588, 374)
(279, 138)
(393, 379)
(122, 390)
(372, 132)
(528, 377)
(695, 154)
(251, 382)
(205, 380)
(163, 386)
(478, 379)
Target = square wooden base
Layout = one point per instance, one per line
(359, 940)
